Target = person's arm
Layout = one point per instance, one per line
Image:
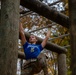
(46, 39)
(22, 35)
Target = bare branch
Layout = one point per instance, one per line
(42, 28)
(53, 3)
(59, 36)
(26, 14)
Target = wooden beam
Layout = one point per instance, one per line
(21, 55)
(26, 14)
(46, 11)
(54, 3)
(49, 25)
(59, 37)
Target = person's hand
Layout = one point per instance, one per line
(22, 34)
(20, 27)
(48, 34)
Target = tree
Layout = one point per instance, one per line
(0, 16)
(9, 36)
(72, 14)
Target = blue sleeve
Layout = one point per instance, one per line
(40, 47)
(25, 45)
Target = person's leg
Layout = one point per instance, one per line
(44, 67)
(43, 63)
(36, 67)
(26, 70)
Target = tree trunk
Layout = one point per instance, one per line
(46, 11)
(0, 12)
(9, 36)
(0, 17)
(72, 13)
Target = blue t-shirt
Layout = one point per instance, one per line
(32, 50)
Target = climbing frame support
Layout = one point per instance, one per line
(9, 34)
(62, 69)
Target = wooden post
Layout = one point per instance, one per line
(9, 34)
(72, 16)
(62, 69)
(0, 11)
(0, 17)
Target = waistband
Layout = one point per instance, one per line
(31, 60)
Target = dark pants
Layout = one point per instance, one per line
(35, 66)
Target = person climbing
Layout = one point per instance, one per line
(33, 51)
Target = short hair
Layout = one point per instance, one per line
(34, 35)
